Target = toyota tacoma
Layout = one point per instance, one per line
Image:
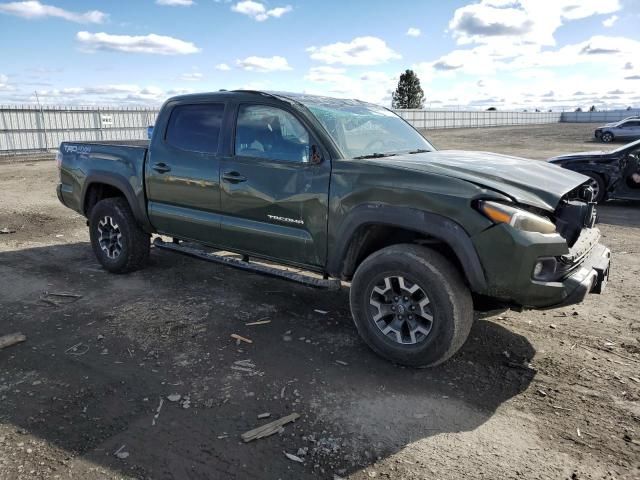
(349, 192)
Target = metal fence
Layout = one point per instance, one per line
(605, 116)
(430, 119)
(32, 128)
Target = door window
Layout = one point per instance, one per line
(195, 128)
(269, 132)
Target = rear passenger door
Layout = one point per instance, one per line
(182, 172)
(273, 197)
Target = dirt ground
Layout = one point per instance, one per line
(550, 395)
(531, 141)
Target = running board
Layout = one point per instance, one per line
(328, 284)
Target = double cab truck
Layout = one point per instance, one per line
(349, 192)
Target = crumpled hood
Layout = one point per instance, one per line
(532, 182)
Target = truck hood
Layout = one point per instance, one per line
(531, 182)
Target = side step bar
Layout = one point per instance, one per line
(328, 284)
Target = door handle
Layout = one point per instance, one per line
(233, 177)
(161, 167)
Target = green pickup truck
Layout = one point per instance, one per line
(349, 192)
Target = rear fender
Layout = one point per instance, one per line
(137, 203)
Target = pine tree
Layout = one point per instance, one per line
(409, 94)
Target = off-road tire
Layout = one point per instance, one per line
(601, 188)
(135, 243)
(449, 297)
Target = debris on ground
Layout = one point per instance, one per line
(246, 366)
(342, 362)
(268, 428)
(264, 415)
(11, 339)
(321, 312)
(6, 230)
(293, 458)
(155, 417)
(258, 322)
(78, 349)
(174, 397)
(59, 298)
(120, 453)
(240, 338)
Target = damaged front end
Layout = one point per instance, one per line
(555, 266)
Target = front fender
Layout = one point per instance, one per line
(429, 224)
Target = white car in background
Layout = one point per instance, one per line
(626, 129)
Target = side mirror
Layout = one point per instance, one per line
(316, 156)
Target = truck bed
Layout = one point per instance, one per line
(117, 163)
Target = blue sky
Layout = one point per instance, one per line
(524, 54)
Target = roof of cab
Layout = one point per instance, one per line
(300, 98)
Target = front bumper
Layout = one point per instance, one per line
(509, 256)
(591, 277)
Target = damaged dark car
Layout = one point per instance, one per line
(614, 174)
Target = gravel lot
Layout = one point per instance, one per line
(94, 376)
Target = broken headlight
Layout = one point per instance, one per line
(516, 217)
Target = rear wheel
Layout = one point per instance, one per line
(411, 306)
(596, 182)
(118, 242)
(607, 137)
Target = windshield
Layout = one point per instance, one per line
(364, 130)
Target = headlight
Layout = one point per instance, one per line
(517, 218)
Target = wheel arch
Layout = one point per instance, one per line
(101, 185)
(369, 228)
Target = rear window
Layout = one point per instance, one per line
(195, 128)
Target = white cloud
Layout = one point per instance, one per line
(326, 75)
(36, 10)
(176, 3)
(192, 76)
(374, 87)
(609, 22)
(264, 64)
(258, 11)
(116, 94)
(359, 51)
(223, 67)
(413, 32)
(4, 82)
(152, 43)
(521, 21)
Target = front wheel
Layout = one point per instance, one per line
(607, 137)
(411, 306)
(118, 242)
